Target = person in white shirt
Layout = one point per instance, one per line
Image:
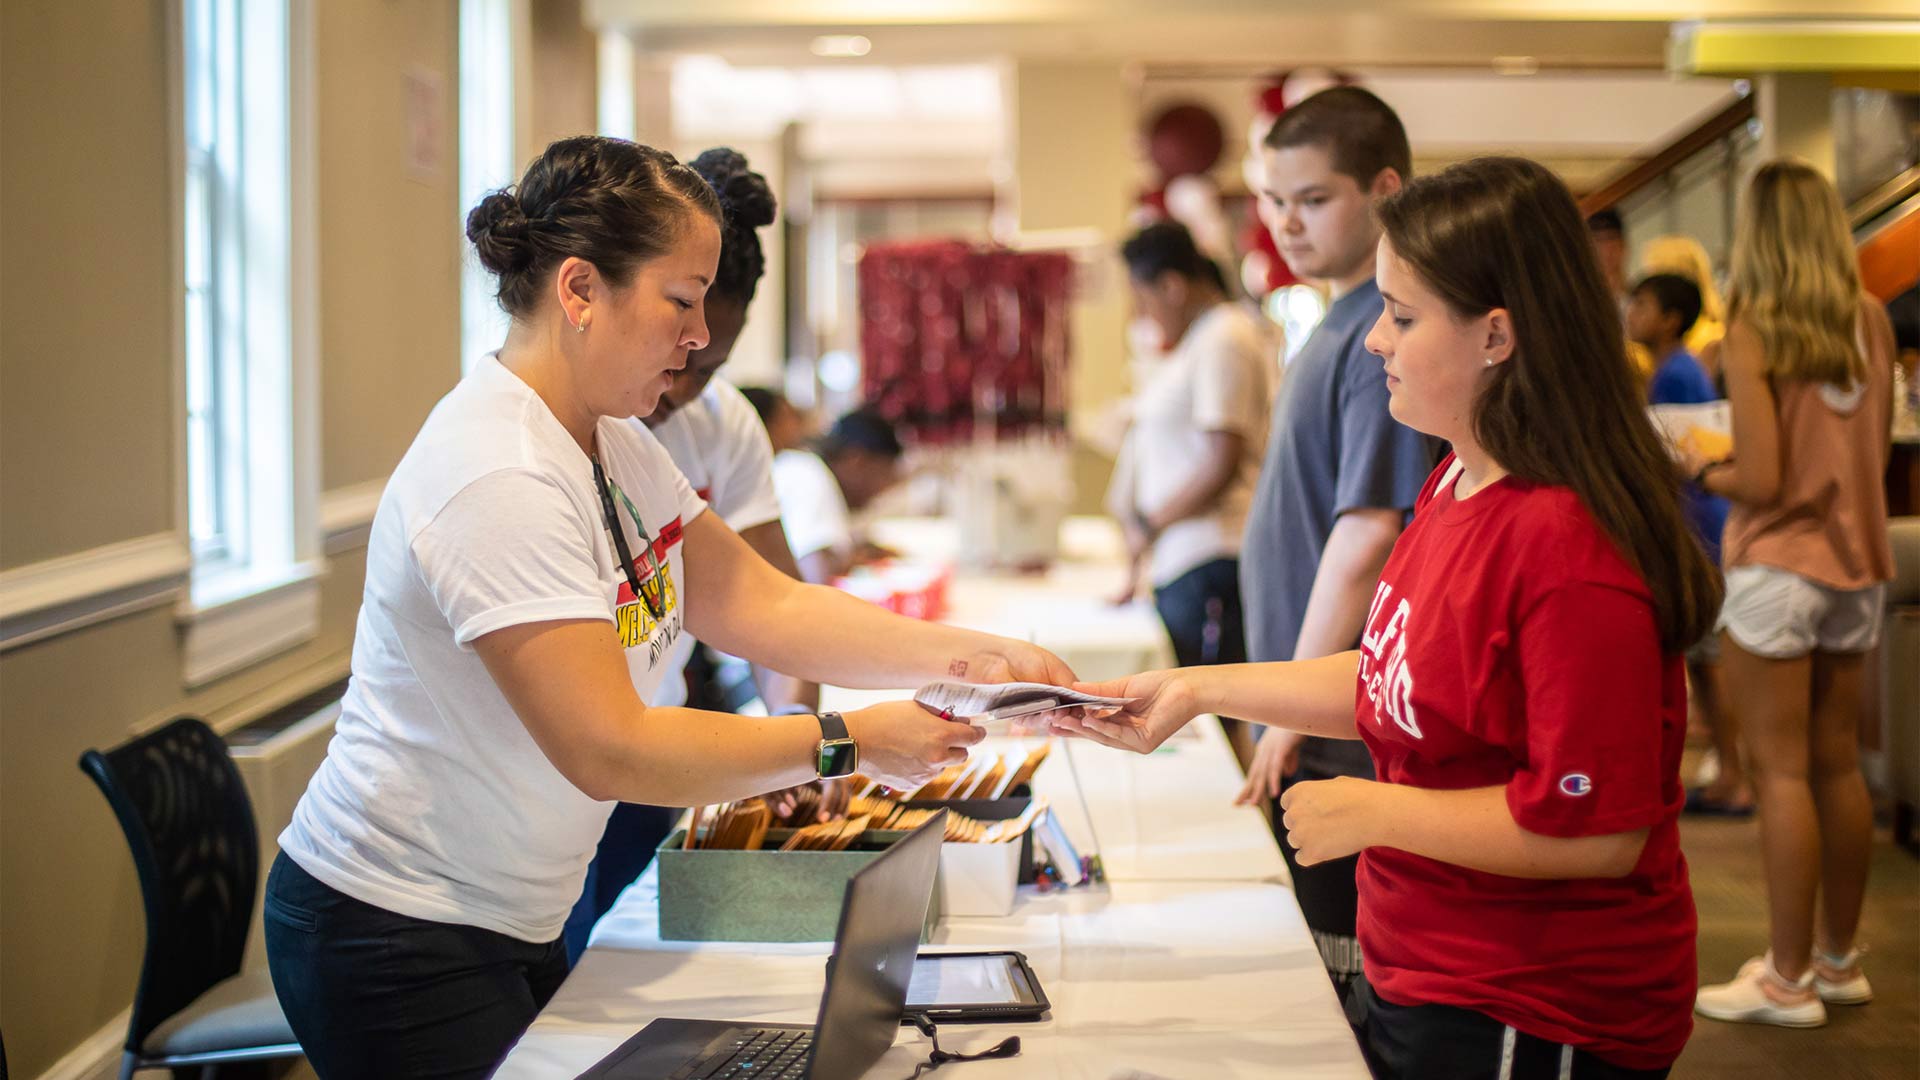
(535, 565)
(858, 460)
(1185, 476)
(786, 425)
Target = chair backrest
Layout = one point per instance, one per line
(190, 827)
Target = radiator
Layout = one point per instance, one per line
(276, 768)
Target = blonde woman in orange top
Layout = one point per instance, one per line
(1808, 364)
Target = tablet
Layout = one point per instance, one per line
(975, 987)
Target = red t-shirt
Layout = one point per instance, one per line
(1509, 642)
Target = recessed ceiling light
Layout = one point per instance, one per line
(841, 45)
(1516, 65)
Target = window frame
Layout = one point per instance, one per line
(253, 591)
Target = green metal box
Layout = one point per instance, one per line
(765, 895)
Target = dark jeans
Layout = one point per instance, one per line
(634, 832)
(1329, 898)
(373, 994)
(1440, 1042)
(1201, 610)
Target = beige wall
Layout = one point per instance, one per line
(1073, 168)
(86, 425)
(390, 232)
(85, 322)
(565, 78)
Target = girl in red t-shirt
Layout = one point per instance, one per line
(1524, 907)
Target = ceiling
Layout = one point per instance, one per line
(1199, 34)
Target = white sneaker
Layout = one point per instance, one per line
(1839, 980)
(1760, 995)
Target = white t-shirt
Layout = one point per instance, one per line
(718, 441)
(813, 509)
(434, 801)
(721, 446)
(1219, 377)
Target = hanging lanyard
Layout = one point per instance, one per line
(656, 605)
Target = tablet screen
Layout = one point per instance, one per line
(944, 982)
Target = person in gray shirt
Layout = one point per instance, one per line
(1340, 475)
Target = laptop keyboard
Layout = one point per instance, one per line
(761, 1053)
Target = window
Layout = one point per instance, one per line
(246, 253)
(488, 123)
(213, 256)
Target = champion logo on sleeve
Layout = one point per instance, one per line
(1576, 784)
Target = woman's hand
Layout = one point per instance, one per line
(1163, 703)
(1011, 661)
(1275, 758)
(1331, 819)
(903, 745)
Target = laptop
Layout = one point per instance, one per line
(867, 976)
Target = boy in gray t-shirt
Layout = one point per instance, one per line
(1340, 475)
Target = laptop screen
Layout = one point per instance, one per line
(873, 955)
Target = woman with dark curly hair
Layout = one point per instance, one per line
(537, 566)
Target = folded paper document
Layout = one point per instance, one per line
(1003, 701)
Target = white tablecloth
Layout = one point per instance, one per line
(1147, 979)
(1067, 609)
(1168, 816)
(1192, 962)
(1204, 970)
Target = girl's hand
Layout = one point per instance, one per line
(1164, 702)
(1331, 819)
(1275, 758)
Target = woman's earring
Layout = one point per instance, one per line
(581, 326)
(1489, 361)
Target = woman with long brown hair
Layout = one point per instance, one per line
(1809, 371)
(1524, 907)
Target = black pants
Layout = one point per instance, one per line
(1329, 898)
(634, 832)
(1440, 1042)
(373, 994)
(1201, 610)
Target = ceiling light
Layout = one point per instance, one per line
(841, 45)
(1516, 65)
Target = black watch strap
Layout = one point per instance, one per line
(833, 726)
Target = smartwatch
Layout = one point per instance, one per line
(837, 755)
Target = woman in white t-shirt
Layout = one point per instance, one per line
(535, 562)
(1186, 472)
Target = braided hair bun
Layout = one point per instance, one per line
(498, 229)
(610, 202)
(747, 201)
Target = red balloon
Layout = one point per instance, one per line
(1184, 139)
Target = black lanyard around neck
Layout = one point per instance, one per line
(655, 607)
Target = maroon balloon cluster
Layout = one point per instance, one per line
(958, 340)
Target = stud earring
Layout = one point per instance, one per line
(1489, 361)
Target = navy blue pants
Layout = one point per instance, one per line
(373, 994)
(1441, 1042)
(1201, 610)
(634, 831)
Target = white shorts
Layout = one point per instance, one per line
(1780, 615)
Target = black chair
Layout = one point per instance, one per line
(190, 827)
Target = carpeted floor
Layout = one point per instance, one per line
(1880, 1040)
